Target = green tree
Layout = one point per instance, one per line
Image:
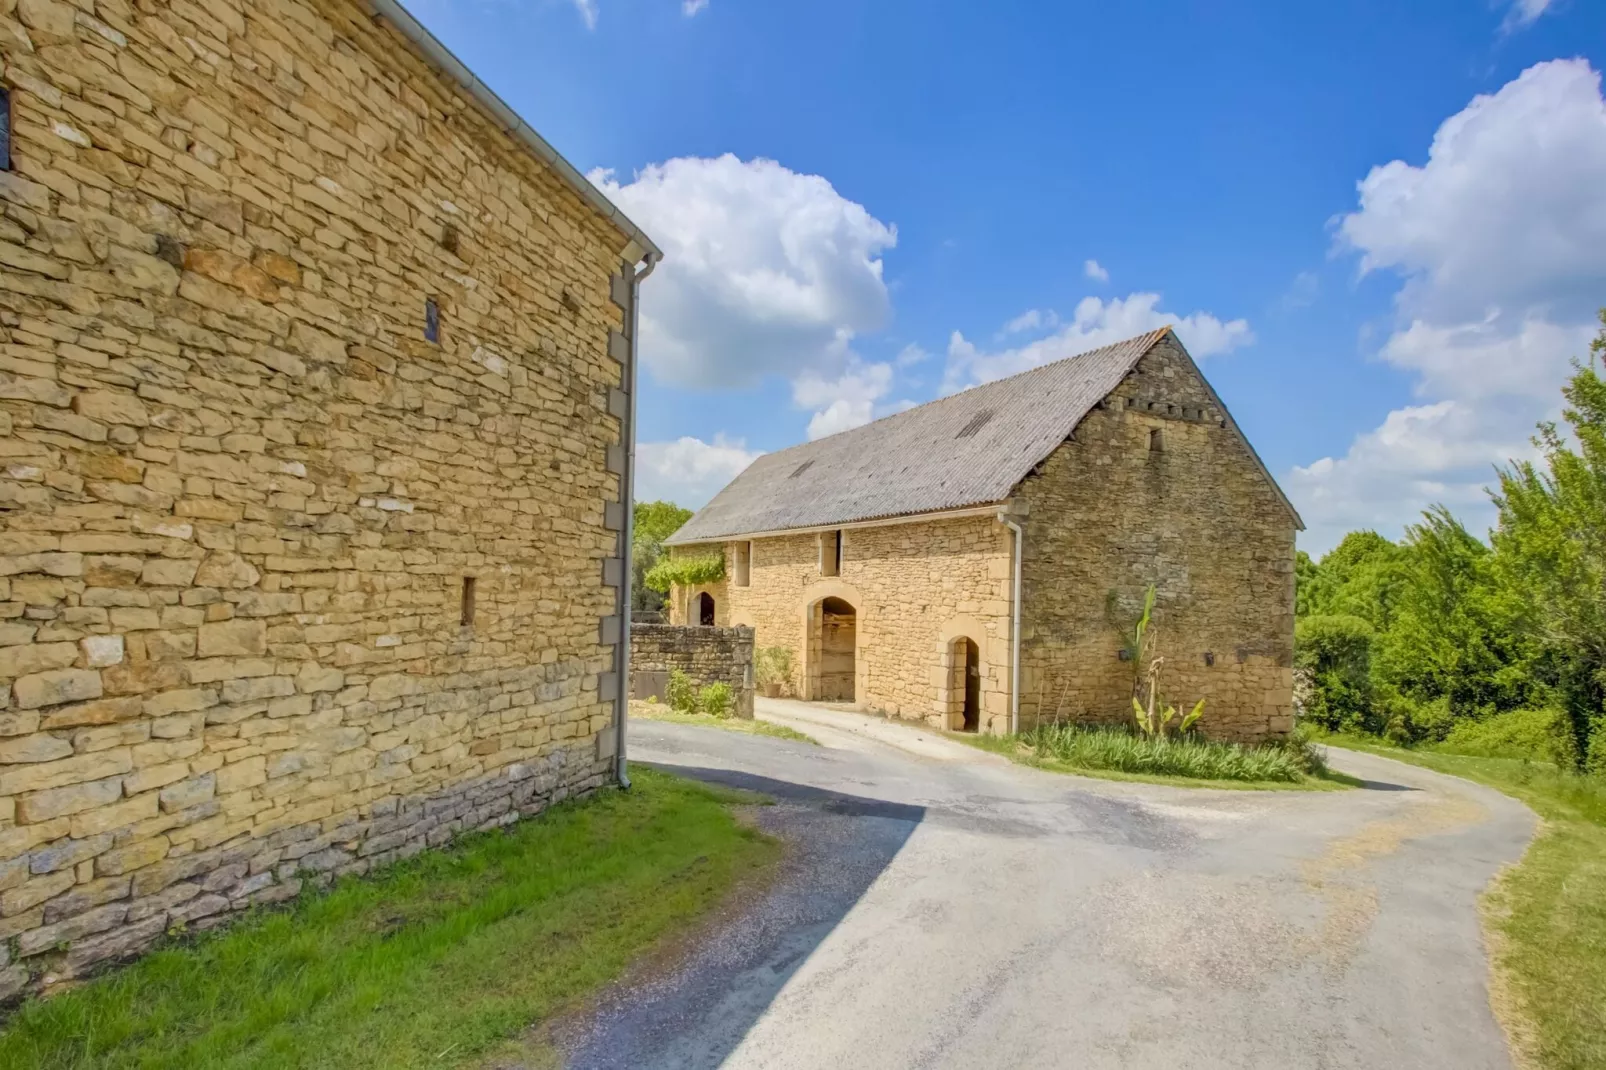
(1357, 578)
(1455, 630)
(1335, 654)
(1551, 544)
(652, 523)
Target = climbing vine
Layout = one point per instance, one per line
(685, 572)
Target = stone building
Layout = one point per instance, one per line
(315, 390)
(970, 562)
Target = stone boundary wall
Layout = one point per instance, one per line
(707, 655)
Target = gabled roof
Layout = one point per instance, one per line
(967, 449)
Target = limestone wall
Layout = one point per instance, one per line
(916, 588)
(707, 655)
(1195, 517)
(241, 491)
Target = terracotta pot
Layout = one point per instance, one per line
(772, 689)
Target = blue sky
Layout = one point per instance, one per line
(1380, 226)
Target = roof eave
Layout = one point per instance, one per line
(515, 127)
(957, 513)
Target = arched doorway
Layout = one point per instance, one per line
(970, 665)
(838, 643)
(961, 698)
(705, 610)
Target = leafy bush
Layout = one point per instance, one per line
(1335, 652)
(716, 700)
(1182, 756)
(1530, 733)
(681, 692)
(685, 572)
(774, 665)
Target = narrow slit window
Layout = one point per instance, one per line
(449, 239)
(831, 553)
(5, 129)
(432, 320)
(743, 555)
(1156, 443)
(466, 616)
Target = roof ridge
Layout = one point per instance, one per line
(1149, 340)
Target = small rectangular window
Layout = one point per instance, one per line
(466, 617)
(831, 553)
(1155, 444)
(432, 320)
(743, 555)
(5, 129)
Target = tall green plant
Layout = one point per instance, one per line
(1551, 545)
(1137, 636)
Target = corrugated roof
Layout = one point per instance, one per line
(967, 449)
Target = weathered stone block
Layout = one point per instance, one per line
(234, 638)
(56, 687)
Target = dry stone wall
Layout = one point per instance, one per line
(914, 587)
(240, 489)
(1112, 511)
(707, 655)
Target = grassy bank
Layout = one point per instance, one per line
(656, 711)
(436, 962)
(1115, 754)
(1548, 912)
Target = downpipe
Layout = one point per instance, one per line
(1014, 627)
(627, 494)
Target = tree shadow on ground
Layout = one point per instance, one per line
(694, 1012)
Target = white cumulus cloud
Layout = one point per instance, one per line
(766, 271)
(692, 7)
(1095, 271)
(1096, 323)
(843, 401)
(689, 471)
(1499, 239)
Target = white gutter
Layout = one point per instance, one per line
(627, 494)
(1014, 627)
(515, 127)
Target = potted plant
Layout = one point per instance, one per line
(773, 666)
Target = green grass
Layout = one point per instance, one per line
(436, 962)
(1548, 913)
(654, 711)
(1115, 754)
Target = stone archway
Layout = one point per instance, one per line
(962, 675)
(833, 640)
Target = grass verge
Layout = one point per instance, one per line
(430, 964)
(654, 711)
(1547, 913)
(1112, 754)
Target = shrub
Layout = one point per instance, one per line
(680, 692)
(1530, 733)
(716, 700)
(1182, 756)
(773, 665)
(1335, 654)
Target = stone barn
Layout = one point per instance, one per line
(970, 562)
(315, 402)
